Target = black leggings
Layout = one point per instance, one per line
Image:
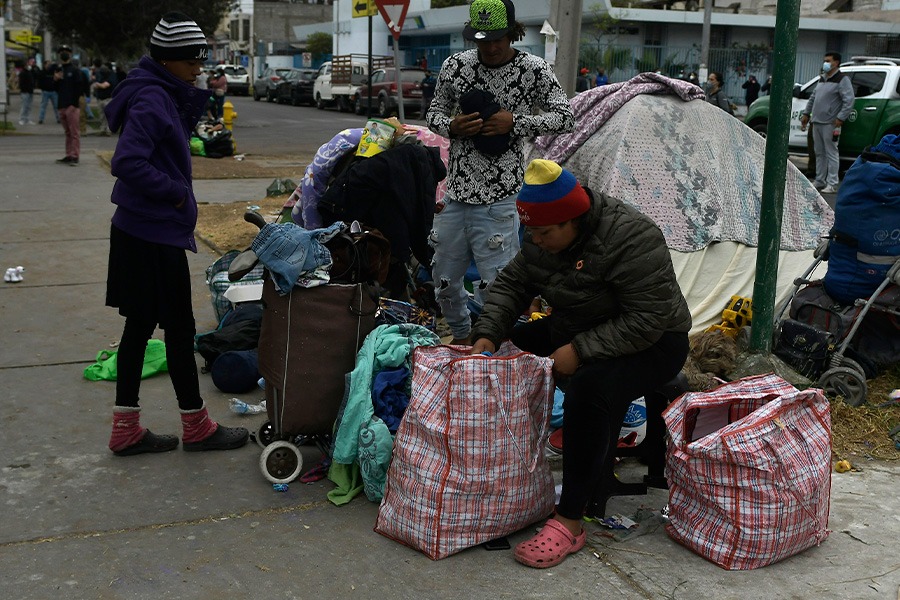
(597, 397)
(179, 358)
(150, 284)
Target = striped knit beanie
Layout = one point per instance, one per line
(177, 37)
(550, 195)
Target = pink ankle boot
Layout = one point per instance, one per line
(129, 438)
(202, 433)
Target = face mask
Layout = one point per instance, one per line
(826, 66)
(64, 56)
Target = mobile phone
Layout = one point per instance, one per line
(500, 543)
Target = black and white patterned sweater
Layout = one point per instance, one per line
(525, 86)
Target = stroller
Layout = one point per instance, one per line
(839, 345)
(842, 328)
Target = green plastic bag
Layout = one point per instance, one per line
(197, 147)
(105, 367)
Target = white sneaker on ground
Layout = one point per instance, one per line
(13, 275)
(828, 189)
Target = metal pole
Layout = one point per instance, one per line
(369, 76)
(565, 17)
(704, 41)
(4, 91)
(787, 21)
(399, 80)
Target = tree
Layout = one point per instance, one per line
(318, 43)
(122, 29)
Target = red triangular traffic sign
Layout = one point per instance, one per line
(394, 13)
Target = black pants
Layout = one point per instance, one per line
(150, 284)
(597, 397)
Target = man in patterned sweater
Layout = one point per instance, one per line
(487, 101)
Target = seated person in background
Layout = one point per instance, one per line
(618, 329)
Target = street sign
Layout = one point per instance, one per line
(363, 8)
(35, 39)
(23, 36)
(394, 13)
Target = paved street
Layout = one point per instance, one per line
(79, 522)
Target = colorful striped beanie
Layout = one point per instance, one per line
(550, 195)
(177, 37)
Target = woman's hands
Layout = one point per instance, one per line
(483, 345)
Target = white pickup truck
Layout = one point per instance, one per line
(339, 79)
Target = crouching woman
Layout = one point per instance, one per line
(618, 327)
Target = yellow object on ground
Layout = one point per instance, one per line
(842, 466)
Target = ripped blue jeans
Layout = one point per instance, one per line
(487, 233)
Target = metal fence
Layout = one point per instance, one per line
(735, 64)
(624, 62)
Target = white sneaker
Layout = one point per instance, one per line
(828, 189)
(13, 275)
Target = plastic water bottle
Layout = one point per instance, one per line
(836, 134)
(242, 408)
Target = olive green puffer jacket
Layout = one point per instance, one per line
(613, 291)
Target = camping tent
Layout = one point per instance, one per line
(697, 171)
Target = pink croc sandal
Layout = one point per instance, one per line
(550, 546)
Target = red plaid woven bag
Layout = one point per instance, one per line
(468, 463)
(749, 471)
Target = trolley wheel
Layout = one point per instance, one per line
(265, 435)
(845, 382)
(852, 364)
(281, 462)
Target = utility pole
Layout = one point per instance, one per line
(565, 18)
(4, 91)
(787, 22)
(704, 41)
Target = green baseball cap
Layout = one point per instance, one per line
(489, 20)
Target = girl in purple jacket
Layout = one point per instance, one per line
(155, 109)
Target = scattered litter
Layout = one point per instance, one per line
(14, 274)
(621, 528)
(253, 207)
(114, 344)
(242, 408)
(280, 186)
(842, 466)
(617, 522)
(893, 399)
(280, 487)
(239, 157)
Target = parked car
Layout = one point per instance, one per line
(296, 87)
(384, 92)
(264, 86)
(876, 110)
(237, 77)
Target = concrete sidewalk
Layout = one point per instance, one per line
(81, 523)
